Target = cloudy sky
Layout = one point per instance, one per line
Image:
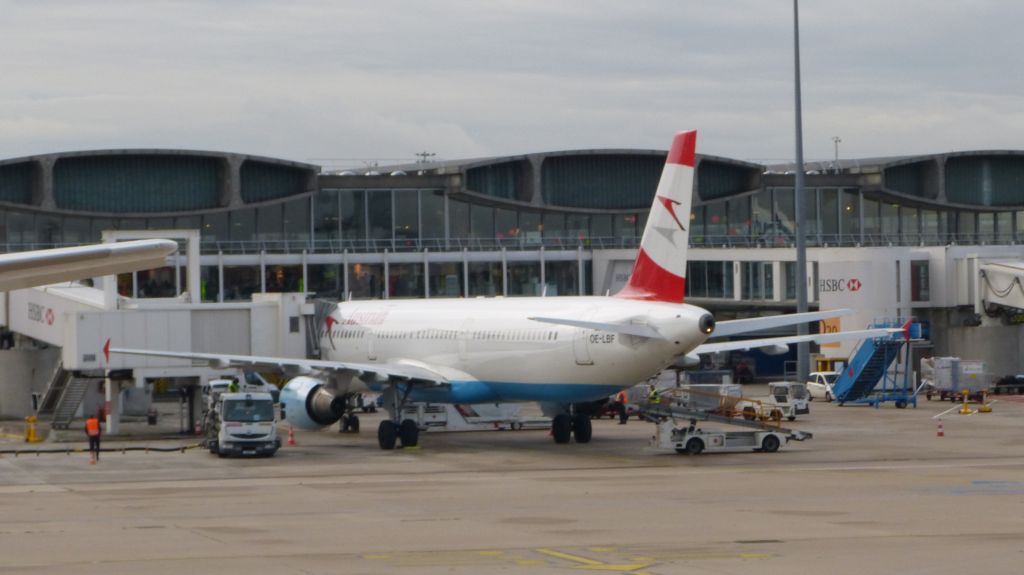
(338, 82)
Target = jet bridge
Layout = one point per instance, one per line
(1001, 287)
(81, 319)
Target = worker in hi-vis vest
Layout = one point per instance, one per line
(92, 429)
(621, 399)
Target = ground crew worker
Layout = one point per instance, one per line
(652, 395)
(620, 405)
(92, 430)
(233, 387)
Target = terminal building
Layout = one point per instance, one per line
(889, 237)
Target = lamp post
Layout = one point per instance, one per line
(835, 164)
(802, 348)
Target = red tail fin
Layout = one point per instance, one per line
(660, 270)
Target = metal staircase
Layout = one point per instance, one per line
(869, 365)
(62, 398)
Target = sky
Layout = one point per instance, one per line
(340, 84)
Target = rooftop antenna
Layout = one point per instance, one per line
(424, 157)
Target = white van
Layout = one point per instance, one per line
(242, 424)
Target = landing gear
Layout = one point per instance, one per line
(582, 429)
(561, 428)
(409, 433)
(349, 423)
(387, 435)
(395, 429)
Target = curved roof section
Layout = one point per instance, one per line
(148, 181)
(984, 178)
(616, 180)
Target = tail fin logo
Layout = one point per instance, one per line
(670, 205)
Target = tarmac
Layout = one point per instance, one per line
(875, 491)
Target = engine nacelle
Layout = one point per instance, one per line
(307, 404)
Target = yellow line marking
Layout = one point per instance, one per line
(530, 562)
(602, 549)
(490, 553)
(587, 563)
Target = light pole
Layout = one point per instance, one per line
(803, 360)
(835, 164)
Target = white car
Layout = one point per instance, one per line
(819, 384)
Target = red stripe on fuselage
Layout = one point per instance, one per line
(684, 149)
(652, 282)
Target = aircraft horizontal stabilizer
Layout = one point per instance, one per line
(634, 329)
(735, 326)
(771, 342)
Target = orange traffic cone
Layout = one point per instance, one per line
(291, 435)
(940, 432)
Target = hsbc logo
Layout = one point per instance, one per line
(41, 313)
(839, 285)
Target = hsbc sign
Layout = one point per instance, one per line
(40, 313)
(839, 285)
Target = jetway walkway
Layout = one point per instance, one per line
(80, 319)
(1001, 285)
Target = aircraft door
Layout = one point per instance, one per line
(581, 342)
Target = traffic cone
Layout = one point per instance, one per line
(940, 432)
(291, 435)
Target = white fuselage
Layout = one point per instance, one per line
(489, 349)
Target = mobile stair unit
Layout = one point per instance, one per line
(867, 378)
(762, 432)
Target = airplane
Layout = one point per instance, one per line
(558, 351)
(27, 269)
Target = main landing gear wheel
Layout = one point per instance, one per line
(387, 434)
(582, 429)
(349, 423)
(770, 444)
(561, 428)
(409, 433)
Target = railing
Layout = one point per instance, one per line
(781, 240)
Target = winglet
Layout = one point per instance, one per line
(659, 273)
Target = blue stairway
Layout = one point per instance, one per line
(869, 365)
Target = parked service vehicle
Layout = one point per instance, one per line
(788, 398)
(251, 382)
(242, 424)
(819, 384)
(1010, 384)
(694, 440)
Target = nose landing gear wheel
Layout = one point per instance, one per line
(387, 434)
(561, 428)
(409, 433)
(582, 429)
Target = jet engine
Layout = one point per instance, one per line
(307, 404)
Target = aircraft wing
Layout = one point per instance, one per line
(40, 267)
(735, 326)
(746, 344)
(408, 372)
